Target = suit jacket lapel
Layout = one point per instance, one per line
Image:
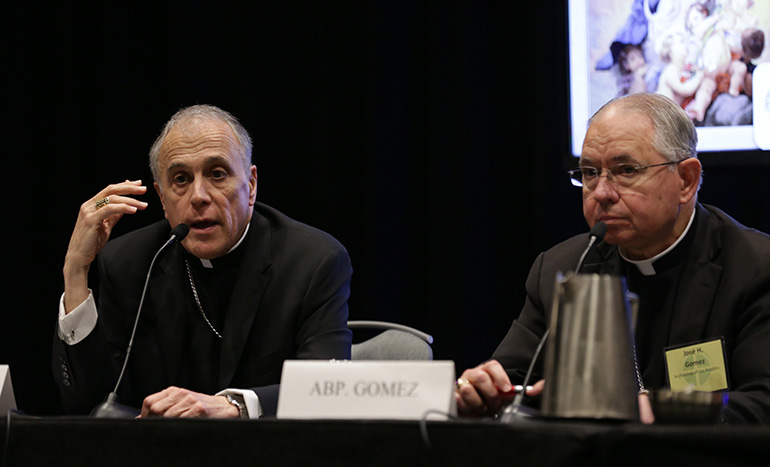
(699, 282)
(247, 295)
(168, 305)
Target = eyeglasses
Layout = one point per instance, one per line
(623, 175)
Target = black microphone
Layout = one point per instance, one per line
(595, 235)
(110, 408)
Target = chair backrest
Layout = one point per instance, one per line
(396, 342)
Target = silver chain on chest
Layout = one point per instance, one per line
(639, 381)
(197, 300)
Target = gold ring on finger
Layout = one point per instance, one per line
(102, 202)
(460, 382)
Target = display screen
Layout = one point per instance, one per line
(710, 56)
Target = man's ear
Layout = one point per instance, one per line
(160, 195)
(690, 174)
(252, 185)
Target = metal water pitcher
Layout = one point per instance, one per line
(590, 364)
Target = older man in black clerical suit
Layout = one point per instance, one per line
(245, 290)
(700, 275)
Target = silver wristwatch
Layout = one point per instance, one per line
(237, 401)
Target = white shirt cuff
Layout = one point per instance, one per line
(253, 407)
(78, 323)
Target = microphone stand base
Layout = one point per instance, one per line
(112, 409)
(520, 414)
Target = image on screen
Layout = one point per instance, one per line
(710, 56)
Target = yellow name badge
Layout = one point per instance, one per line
(699, 367)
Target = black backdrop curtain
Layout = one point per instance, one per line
(430, 137)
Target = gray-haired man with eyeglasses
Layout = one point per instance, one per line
(701, 276)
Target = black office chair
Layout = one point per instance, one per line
(396, 342)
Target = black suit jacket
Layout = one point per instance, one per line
(724, 292)
(289, 302)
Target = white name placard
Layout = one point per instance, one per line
(405, 390)
(7, 401)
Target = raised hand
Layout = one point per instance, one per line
(96, 219)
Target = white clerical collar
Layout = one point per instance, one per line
(208, 264)
(645, 266)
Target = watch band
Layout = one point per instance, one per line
(237, 401)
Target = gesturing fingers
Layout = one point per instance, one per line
(99, 214)
(118, 194)
(111, 204)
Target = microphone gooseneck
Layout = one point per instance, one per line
(595, 235)
(110, 408)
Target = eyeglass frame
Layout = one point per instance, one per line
(599, 172)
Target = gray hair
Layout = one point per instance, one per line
(675, 135)
(200, 113)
